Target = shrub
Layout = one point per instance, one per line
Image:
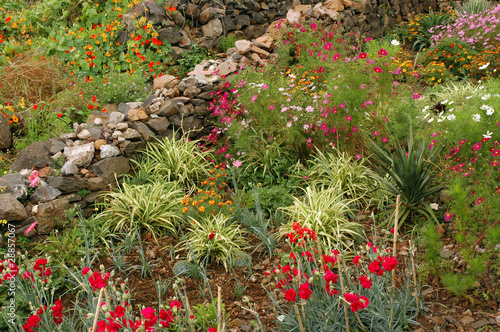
(213, 239)
(340, 170)
(151, 207)
(172, 159)
(226, 42)
(325, 211)
(421, 28)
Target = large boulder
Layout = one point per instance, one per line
(108, 168)
(15, 184)
(165, 81)
(35, 155)
(5, 138)
(11, 209)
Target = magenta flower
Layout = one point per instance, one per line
(34, 179)
(479, 201)
(362, 55)
(348, 118)
(336, 56)
(477, 146)
(271, 107)
(448, 216)
(30, 228)
(382, 52)
(385, 139)
(328, 46)
(416, 96)
(375, 133)
(377, 69)
(354, 129)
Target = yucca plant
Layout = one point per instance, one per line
(344, 171)
(422, 37)
(152, 207)
(171, 159)
(411, 171)
(213, 239)
(325, 211)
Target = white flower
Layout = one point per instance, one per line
(468, 97)
(484, 66)
(485, 107)
(481, 87)
(486, 96)
(395, 42)
(425, 109)
(444, 102)
(427, 115)
(306, 126)
(451, 117)
(490, 111)
(289, 124)
(488, 134)
(441, 119)
(430, 120)
(281, 89)
(476, 117)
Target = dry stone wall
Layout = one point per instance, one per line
(76, 167)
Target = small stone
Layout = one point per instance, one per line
(466, 320)
(69, 168)
(480, 323)
(122, 126)
(265, 42)
(99, 143)
(84, 134)
(137, 114)
(116, 117)
(165, 81)
(131, 134)
(108, 151)
(81, 155)
(44, 193)
(243, 46)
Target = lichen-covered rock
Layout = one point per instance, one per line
(15, 184)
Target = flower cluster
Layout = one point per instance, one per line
(211, 197)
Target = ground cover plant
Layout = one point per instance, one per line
(350, 184)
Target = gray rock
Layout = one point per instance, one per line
(24, 227)
(155, 9)
(186, 82)
(69, 168)
(229, 23)
(242, 21)
(171, 35)
(108, 151)
(209, 14)
(5, 137)
(149, 101)
(36, 154)
(73, 197)
(95, 184)
(130, 148)
(81, 155)
(122, 126)
(191, 124)
(191, 91)
(116, 117)
(11, 209)
(48, 212)
(44, 193)
(131, 135)
(109, 167)
(56, 146)
(65, 184)
(212, 29)
(143, 130)
(67, 136)
(168, 108)
(123, 108)
(158, 125)
(15, 184)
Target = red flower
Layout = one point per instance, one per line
(85, 270)
(389, 263)
(365, 281)
(377, 69)
(32, 322)
(94, 99)
(91, 107)
(304, 291)
(331, 277)
(211, 235)
(119, 311)
(97, 281)
(35, 107)
(356, 260)
(291, 295)
(57, 310)
(211, 329)
(59, 115)
(374, 266)
(362, 55)
(166, 318)
(175, 304)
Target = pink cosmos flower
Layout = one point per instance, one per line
(336, 56)
(479, 201)
(34, 179)
(237, 163)
(328, 46)
(362, 55)
(382, 52)
(348, 118)
(377, 69)
(416, 96)
(32, 227)
(385, 139)
(448, 216)
(477, 146)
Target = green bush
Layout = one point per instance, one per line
(213, 239)
(152, 207)
(325, 211)
(226, 42)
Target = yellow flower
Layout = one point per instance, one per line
(14, 118)
(185, 209)
(201, 209)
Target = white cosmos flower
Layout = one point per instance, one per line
(451, 117)
(490, 111)
(425, 109)
(484, 66)
(488, 134)
(395, 42)
(476, 117)
(486, 96)
(485, 107)
(430, 120)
